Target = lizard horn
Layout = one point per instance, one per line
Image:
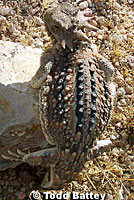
(89, 26)
(82, 35)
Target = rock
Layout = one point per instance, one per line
(5, 11)
(16, 108)
(116, 38)
(131, 61)
(109, 197)
(83, 5)
(2, 19)
(129, 89)
(19, 109)
(116, 18)
(18, 63)
(121, 91)
(18, 102)
(116, 6)
(100, 146)
(12, 29)
(113, 137)
(132, 97)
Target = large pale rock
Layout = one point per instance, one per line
(18, 63)
(18, 101)
(19, 108)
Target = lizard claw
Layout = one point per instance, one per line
(11, 158)
(14, 156)
(20, 152)
(89, 26)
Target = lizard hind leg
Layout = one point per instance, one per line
(48, 178)
(51, 179)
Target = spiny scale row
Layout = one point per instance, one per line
(75, 108)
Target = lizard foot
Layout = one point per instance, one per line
(12, 156)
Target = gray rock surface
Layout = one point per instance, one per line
(19, 108)
(18, 101)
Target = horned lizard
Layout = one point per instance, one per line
(76, 96)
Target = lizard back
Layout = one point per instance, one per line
(75, 107)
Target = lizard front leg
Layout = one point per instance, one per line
(47, 62)
(109, 70)
(44, 157)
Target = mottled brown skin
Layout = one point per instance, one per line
(75, 108)
(76, 98)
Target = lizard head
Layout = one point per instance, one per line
(62, 22)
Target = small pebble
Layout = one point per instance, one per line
(117, 64)
(124, 37)
(39, 20)
(130, 35)
(109, 197)
(38, 42)
(2, 19)
(100, 37)
(128, 89)
(113, 137)
(130, 41)
(130, 1)
(122, 102)
(116, 38)
(83, 5)
(116, 18)
(116, 6)
(101, 20)
(5, 10)
(119, 108)
(121, 91)
(131, 61)
(132, 97)
(122, 1)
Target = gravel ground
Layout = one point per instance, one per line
(112, 172)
